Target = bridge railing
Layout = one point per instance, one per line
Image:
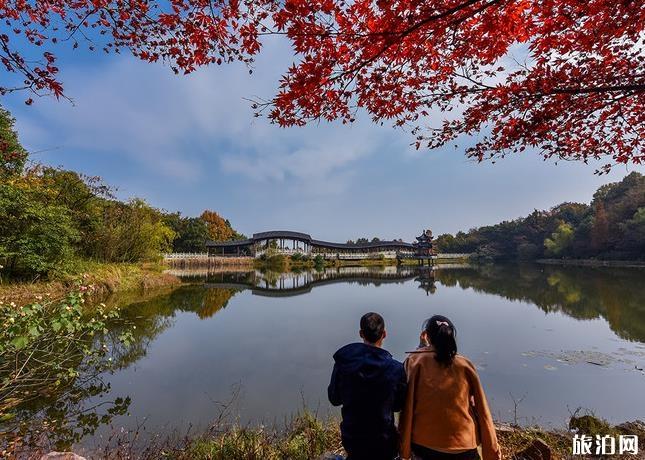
(284, 252)
(185, 255)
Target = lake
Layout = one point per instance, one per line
(546, 340)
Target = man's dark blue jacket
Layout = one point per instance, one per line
(371, 386)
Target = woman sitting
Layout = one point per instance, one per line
(445, 415)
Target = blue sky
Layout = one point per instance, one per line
(188, 143)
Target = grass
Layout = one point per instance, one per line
(307, 437)
(515, 440)
(304, 438)
(107, 278)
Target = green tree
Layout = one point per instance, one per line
(36, 238)
(608, 228)
(634, 233)
(85, 198)
(527, 251)
(191, 233)
(445, 242)
(12, 154)
(131, 232)
(560, 240)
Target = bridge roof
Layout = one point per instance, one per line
(281, 234)
(288, 235)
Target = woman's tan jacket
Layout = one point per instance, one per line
(445, 407)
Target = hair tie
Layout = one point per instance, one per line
(442, 323)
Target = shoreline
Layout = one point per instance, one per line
(593, 263)
(285, 261)
(306, 436)
(106, 279)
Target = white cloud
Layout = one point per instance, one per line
(184, 125)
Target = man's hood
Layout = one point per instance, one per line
(365, 361)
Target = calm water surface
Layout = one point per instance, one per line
(556, 338)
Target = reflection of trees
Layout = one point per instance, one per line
(615, 294)
(153, 316)
(63, 414)
(214, 301)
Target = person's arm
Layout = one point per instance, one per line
(333, 390)
(490, 446)
(405, 419)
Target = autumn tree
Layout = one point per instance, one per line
(219, 229)
(564, 78)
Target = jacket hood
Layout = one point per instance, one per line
(365, 361)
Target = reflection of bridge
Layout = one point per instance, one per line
(290, 284)
(289, 243)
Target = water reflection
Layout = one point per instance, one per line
(614, 294)
(275, 333)
(188, 342)
(275, 284)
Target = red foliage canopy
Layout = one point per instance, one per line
(578, 92)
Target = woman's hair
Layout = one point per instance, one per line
(443, 336)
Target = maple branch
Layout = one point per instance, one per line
(413, 28)
(636, 88)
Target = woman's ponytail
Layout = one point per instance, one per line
(443, 337)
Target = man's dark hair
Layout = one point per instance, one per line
(372, 327)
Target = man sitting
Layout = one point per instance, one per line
(370, 385)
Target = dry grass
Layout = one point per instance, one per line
(105, 278)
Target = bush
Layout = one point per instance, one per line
(319, 261)
(60, 353)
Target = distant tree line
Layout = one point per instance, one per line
(193, 232)
(612, 226)
(52, 220)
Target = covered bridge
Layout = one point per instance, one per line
(288, 243)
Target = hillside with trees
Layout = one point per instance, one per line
(53, 221)
(611, 227)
